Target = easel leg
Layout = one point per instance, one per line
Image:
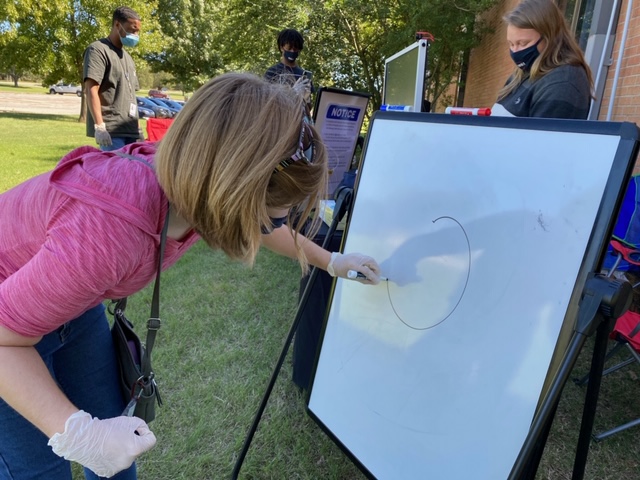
(343, 203)
(591, 399)
(530, 470)
(603, 301)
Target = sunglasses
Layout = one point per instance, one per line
(300, 154)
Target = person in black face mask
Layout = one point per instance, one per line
(287, 70)
(551, 78)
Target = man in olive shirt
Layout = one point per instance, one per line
(110, 83)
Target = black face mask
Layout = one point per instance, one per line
(290, 56)
(275, 223)
(524, 58)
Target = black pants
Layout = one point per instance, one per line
(307, 339)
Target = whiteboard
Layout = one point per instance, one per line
(404, 74)
(487, 229)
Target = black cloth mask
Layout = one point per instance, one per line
(290, 56)
(524, 58)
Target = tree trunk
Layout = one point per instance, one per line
(83, 108)
(15, 76)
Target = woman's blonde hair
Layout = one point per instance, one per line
(217, 163)
(561, 48)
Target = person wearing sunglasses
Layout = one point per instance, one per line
(229, 171)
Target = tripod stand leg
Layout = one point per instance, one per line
(528, 459)
(583, 380)
(530, 470)
(342, 204)
(591, 399)
(600, 293)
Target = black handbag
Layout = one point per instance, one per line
(137, 379)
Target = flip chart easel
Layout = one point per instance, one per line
(491, 231)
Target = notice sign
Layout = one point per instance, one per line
(338, 116)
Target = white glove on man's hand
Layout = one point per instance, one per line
(102, 136)
(340, 265)
(104, 446)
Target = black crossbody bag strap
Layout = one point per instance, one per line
(154, 323)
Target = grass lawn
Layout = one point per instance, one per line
(23, 87)
(223, 328)
(31, 144)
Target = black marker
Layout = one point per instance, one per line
(352, 274)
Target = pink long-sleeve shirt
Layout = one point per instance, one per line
(87, 231)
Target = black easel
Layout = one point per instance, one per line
(603, 301)
(343, 196)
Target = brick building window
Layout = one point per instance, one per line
(579, 15)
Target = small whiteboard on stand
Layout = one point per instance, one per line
(338, 116)
(404, 74)
(488, 229)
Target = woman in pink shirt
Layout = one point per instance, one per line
(229, 171)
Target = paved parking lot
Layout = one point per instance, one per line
(36, 103)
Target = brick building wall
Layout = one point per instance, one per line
(626, 105)
(490, 63)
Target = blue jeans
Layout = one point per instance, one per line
(81, 358)
(117, 143)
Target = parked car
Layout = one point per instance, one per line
(160, 112)
(144, 112)
(172, 103)
(158, 94)
(162, 103)
(61, 88)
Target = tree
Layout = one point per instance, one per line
(364, 33)
(21, 47)
(346, 41)
(192, 50)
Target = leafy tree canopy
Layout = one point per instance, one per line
(346, 41)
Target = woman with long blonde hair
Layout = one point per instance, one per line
(551, 78)
(230, 169)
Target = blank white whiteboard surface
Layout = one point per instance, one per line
(482, 230)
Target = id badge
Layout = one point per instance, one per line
(133, 110)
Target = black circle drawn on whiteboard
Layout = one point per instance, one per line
(463, 288)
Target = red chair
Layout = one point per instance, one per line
(623, 252)
(626, 334)
(157, 127)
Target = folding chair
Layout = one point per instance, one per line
(157, 127)
(623, 255)
(626, 334)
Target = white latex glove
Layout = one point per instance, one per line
(340, 265)
(303, 88)
(102, 136)
(104, 446)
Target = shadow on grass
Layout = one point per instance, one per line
(39, 116)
